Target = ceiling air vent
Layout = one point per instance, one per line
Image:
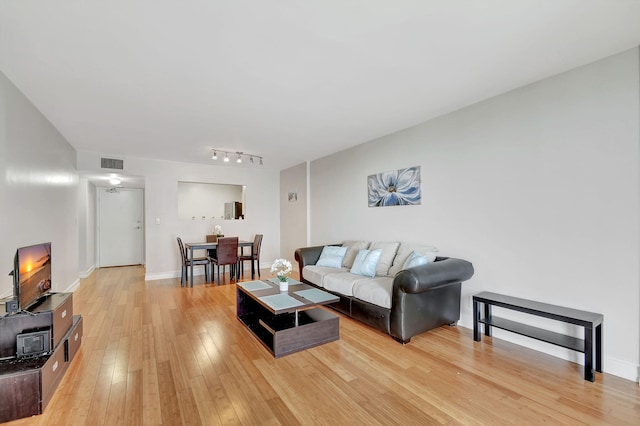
(112, 163)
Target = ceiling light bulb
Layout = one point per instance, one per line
(226, 158)
(251, 159)
(239, 160)
(115, 181)
(261, 161)
(215, 156)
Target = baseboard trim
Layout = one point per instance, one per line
(161, 276)
(73, 287)
(178, 274)
(170, 274)
(617, 367)
(88, 272)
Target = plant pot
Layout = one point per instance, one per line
(284, 285)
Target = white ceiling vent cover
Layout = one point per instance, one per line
(111, 163)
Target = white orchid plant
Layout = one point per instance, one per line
(217, 230)
(282, 268)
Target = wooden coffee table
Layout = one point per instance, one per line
(286, 322)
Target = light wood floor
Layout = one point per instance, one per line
(155, 353)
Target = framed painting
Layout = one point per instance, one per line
(400, 187)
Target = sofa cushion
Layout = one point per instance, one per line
(386, 259)
(376, 291)
(366, 262)
(353, 247)
(405, 251)
(342, 282)
(331, 256)
(415, 259)
(316, 274)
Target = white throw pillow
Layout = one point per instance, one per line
(389, 251)
(331, 256)
(414, 259)
(406, 249)
(353, 247)
(366, 262)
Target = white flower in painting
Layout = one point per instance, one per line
(395, 188)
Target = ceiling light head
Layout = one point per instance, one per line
(115, 181)
(239, 156)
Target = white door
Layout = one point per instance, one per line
(120, 227)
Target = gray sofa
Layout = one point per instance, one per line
(400, 302)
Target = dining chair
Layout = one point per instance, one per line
(186, 263)
(212, 239)
(227, 254)
(257, 243)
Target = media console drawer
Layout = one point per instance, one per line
(52, 373)
(60, 307)
(73, 340)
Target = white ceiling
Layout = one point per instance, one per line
(288, 80)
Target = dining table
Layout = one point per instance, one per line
(191, 247)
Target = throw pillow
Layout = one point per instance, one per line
(389, 251)
(331, 256)
(366, 262)
(415, 259)
(406, 249)
(353, 247)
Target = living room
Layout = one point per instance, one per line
(537, 186)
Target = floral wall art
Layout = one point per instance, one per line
(395, 188)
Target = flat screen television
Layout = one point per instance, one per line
(31, 274)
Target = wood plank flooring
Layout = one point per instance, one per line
(154, 353)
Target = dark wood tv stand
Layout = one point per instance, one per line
(27, 385)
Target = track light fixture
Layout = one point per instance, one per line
(239, 156)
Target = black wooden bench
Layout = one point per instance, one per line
(591, 345)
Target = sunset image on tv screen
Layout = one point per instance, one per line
(35, 272)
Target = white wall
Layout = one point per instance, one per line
(293, 214)
(162, 258)
(538, 187)
(38, 189)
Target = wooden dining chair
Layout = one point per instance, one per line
(213, 239)
(227, 254)
(186, 263)
(255, 257)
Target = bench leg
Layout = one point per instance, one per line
(588, 354)
(476, 325)
(599, 348)
(487, 316)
